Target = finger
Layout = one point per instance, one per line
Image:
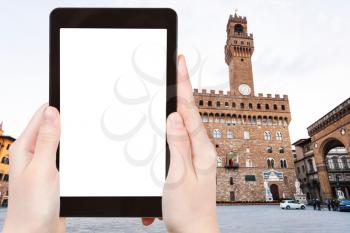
(180, 150)
(48, 138)
(186, 106)
(24, 146)
(147, 221)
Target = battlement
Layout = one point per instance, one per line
(226, 94)
(237, 19)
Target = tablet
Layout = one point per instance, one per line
(113, 79)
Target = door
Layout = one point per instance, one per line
(274, 192)
(232, 196)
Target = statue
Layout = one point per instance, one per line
(340, 194)
(268, 194)
(298, 190)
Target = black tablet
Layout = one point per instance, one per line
(113, 79)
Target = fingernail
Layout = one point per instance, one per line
(50, 115)
(176, 121)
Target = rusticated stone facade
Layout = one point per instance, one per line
(250, 132)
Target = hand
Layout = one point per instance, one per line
(34, 181)
(189, 197)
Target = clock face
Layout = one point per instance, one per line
(244, 89)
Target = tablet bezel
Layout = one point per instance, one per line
(113, 18)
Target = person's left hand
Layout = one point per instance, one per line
(34, 200)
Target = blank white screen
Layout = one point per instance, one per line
(112, 82)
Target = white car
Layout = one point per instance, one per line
(291, 204)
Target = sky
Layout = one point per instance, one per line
(301, 49)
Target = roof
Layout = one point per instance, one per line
(302, 142)
(8, 137)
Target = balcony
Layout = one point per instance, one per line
(232, 166)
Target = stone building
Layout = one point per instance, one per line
(305, 169)
(5, 143)
(250, 131)
(329, 144)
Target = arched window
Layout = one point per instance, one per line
(283, 107)
(279, 136)
(211, 117)
(217, 118)
(209, 103)
(222, 118)
(229, 134)
(233, 105)
(218, 161)
(239, 28)
(258, 106)
(270, 163)
(250, 106)
(218, 104)
(248, 163)
(205, 117)
(5, 160)
(275, 106)
(267, 136)
(226, 104)
(269, 149)
(242, 105)
(200, 102)
(216, 133)
(267, 107)
(281, 150)
(283, 163)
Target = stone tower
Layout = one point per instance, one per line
(239, 49)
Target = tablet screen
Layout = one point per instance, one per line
(113, 111)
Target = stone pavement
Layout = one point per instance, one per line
(232, 219)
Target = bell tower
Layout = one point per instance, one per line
(239, 49)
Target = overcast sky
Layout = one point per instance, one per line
(301, 49)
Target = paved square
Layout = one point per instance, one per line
(238, 219)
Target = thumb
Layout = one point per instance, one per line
(180, 149)
(48, 137)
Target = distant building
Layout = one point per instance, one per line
(250, 132)
(305, 169)
(323, 161)
(5, 143)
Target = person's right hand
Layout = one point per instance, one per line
(189, 197)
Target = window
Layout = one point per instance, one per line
(281, 150)
(270, 163)
(242, 105)
(205, 117)
(242, 42)
(218, 104)
(8, 146)
(209, 104)
(267, 136)
(231, 181)
(1, 175)
(279, 136)
(250, 106)
(303, 168)
(298, 170)
(269, 149)
(218, 161)
(5, 160)
(229, 134)
(258, 106)
(226, 104)
(216, 133)
(246, 135)
(275, 107)
(249, 178)
(201, 103)
(267, 107)
(248, 163)
(235, 41)
(233, 105)
(283, 163)
(283, 107)
(6, 177)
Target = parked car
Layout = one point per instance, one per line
(344, 205)
(291, 204)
